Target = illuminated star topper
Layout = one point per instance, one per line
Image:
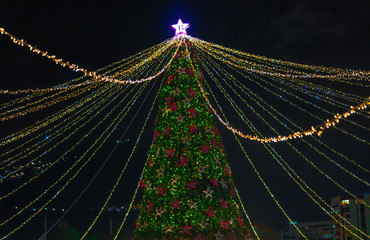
(180, 27)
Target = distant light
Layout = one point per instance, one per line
(180, 27)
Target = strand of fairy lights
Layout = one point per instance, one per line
(45, 122)
(79, 111)
(260, 178)
(250, 124)
(362, 99)
(237, 109)
(243, 88)
(34, 148)
(268, 82)
(275, 153)
(269, 148)
(314, 129)
(22, 134)
(304, 110)
(111, 127)
(341, 72)
(119, 117)
(76, 68)
(54, 145)
(125, 166)
(70, 149)
(47, 104)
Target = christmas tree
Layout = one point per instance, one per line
(189, 192)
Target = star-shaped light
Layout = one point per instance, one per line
(180, 27)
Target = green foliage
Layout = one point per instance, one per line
(188, 188)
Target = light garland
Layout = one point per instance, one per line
(342, 73)
(76, 68)
(111, 127)
(255, 96)
(237, 109)
(314, 129)
(285, 169)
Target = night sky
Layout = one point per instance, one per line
(93, 35)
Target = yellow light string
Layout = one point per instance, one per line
(39, 125)
(76, 68)
(269, 148)
(325, 125)
(74, 146)
(71, 125)
(250, 161)
(313, 130)
(322, 97)
(342, 73)
(153, 69)
(246, 215)
(49, 103)
(77, 112)
(34, 148)
(44, 99)
(123, 170)
(213, 64)
(237, 109)
(117, 120)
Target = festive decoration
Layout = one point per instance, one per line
(180, 27)
(187, 182)
(187, 192)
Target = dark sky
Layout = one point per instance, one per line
(95, 34)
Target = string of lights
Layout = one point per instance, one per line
(203, 92)
(100, 105)
(62, 125)
(275, 155)
(76, 68)
(331, 73)
(111, 127)
(74, 146)
(132, 102)
(243, 88)
(317, 129)
(34, 148)
(51, 119)
(313, 130)
(123, 170)
(238, 110)
(126, 164)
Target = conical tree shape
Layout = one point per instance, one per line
(189, 192)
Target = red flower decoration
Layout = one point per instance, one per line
(186, 228)
(161, 190)
(210, 212)
(149, 207)
(192, 112)
(193, 129)
(191, 92)
(167, 131)
(214, 182)
(156, 133)
(173, 106)
(224, 224)
(224, 203)
(170, 78)
(176, 204)
(169, 99)
(169, 152)
(204, 148)
(183, 161)
(192, 185)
